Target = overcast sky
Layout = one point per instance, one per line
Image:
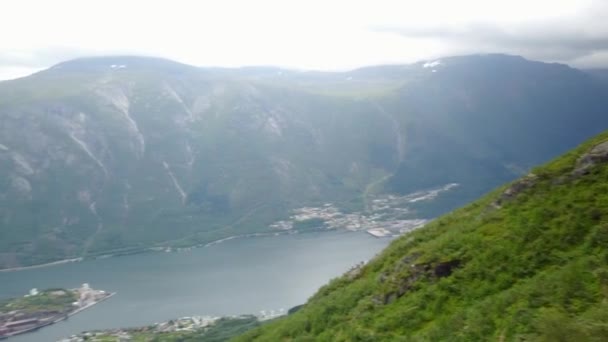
(310, 34)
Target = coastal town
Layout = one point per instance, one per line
(176, 329)
(385, 216)
(181, 327)
(184, 324)
(38, 309)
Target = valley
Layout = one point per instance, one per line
(156, 154)
(319, 171)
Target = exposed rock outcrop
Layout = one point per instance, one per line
(416, 272)
(517, 187)
(445, 269)
(597, 155)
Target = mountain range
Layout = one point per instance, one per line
(112, 155)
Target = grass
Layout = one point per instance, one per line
(46, 300)
(534, 269)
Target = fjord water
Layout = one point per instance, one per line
(235, 277)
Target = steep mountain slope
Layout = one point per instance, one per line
(117, 154)
(485, 118)
(526, 262)
(600, 74)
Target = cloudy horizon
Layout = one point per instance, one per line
(314, 35)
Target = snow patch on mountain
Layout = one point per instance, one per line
(431, 64)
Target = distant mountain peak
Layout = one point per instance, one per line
(103, 63)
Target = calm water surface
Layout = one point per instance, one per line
(235, 277)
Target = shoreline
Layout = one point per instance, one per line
(147, 249)
(79, 310)
(48, 264)
(243, 236)
(158, 249)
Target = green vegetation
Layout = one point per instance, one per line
(221, 330)
(243, 153)
(58, 300)
(528, 261)
(98, 160)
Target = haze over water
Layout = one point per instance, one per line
(235, 277)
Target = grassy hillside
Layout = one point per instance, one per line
(526, 262)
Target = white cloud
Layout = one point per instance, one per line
(311, 34)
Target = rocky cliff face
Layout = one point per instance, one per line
(111, 155)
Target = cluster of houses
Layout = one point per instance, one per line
(386, 216)
(184, 324)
